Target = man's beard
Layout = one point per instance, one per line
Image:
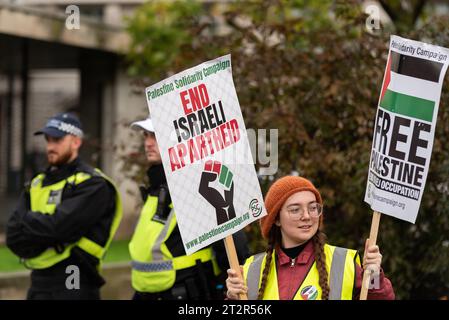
(61, 159)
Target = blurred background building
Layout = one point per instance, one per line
(46, 68)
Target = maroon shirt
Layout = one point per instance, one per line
(292, 272)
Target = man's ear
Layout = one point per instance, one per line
(77, 142)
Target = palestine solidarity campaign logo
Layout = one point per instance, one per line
(223, 204)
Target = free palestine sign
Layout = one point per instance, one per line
(405, 127)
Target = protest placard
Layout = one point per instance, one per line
(201, 136)
(404, 130)
(405, 126)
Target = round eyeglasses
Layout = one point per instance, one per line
(296, 211)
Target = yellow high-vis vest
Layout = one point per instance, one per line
(340, 265)
(40, 197)
(153, 266)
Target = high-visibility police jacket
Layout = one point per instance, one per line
(153, 265)
(45, 199)
(340, 264)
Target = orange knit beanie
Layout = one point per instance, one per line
(279, 193)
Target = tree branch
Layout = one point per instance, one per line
(389, 10)
(417, 10)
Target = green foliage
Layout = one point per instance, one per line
(118, 252)
(160, 31)
(311, 70)
(10, 262)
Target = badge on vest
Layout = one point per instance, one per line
(309, 293)
(55, 197)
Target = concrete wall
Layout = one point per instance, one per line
(35, 23)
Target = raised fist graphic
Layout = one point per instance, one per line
(224, 207)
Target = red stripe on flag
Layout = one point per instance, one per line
(387, 78)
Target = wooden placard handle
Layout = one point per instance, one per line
(233, 260)
(371, 242)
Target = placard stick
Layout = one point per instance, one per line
(233, 259)
(371, 242)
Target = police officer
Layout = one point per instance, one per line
(65, 219)
(161, 270)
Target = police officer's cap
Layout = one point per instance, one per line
(61, 125)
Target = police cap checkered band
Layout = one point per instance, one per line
(61, 125)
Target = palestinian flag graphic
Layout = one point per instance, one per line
(404, 77)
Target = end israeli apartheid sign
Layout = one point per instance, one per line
(405, 127)
(205, 153)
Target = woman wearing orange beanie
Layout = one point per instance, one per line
(298, 263)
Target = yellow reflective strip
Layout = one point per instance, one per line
(39, 195)
(79, 177)
(37, 181)
(47, 259)
(117, 214)
(117, 217)
(91, 247)
(271, 288)
(185, 262)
